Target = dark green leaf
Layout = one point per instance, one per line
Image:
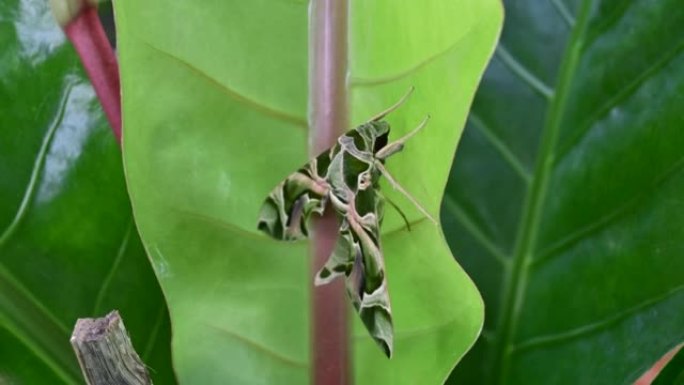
(68, 246)
(565, 200)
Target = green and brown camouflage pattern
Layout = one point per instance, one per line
(346, 176)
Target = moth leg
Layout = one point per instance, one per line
(293, 224)
(393, 107)
(398, 145)
(397, 186)
(401, 213)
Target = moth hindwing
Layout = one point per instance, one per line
(346, 177)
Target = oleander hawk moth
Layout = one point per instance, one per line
(346, 176)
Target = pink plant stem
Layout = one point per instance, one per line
(648, 377)
(90, 41)
(328, 120)
(330, 326)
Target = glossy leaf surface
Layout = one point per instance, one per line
(215, 104)
(68, 246)
(564, 202)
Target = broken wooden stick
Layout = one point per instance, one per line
(105, 352)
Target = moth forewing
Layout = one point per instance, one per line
(341, 260)
(286, 210)
(373, 303)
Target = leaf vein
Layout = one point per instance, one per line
(36, 341)
(564, 12)
(233, 228)
(261, 348)
(592, 327)
(475, 231)
(501, 147)
(56, 364)
(112, 270)
(234, 94)
(366, 82)
(417, 332)
(524, 74)
(38, 165)
(619, 97)
(154, 334)
(602, 222)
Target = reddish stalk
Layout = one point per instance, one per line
(328, 120)
(81, 23)
(650, 376)
(328, 93)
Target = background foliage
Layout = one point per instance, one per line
(68, 245)
(564, 203)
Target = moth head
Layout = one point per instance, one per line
(380, 134)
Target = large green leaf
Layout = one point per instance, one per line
(215, 99)
(68, 246)
(565, 200)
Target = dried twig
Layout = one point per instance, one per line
(105, 352)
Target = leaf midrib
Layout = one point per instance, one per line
(515, 280)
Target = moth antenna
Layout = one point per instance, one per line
(396, 207)
(422, 125)
(397, 186)
(397, 145)
(393, 107)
